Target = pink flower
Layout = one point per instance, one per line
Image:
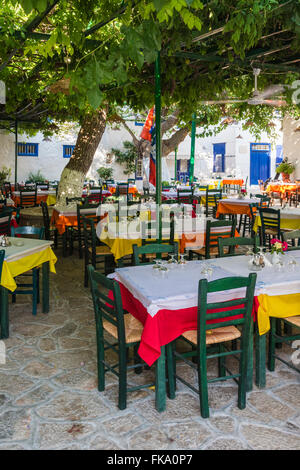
(284, 246)
(275, 240)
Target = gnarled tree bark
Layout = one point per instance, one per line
(73, 176)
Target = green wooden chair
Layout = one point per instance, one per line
(232, 243)
(78, 200)
(293, 239)
(125, 330)
(226, 230)
(279, 335)
(246, 222)
(211, 340)
(33, 287)
(153, 249)
(76, 232)
(270, 224)
(212, 198)
(28, 198)
(185, 196)
(5, 220)
(51, 233)
(95, 252)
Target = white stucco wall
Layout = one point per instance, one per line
(291, 143)
(51, 162)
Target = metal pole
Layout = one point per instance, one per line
(192, 159)
(158, 144)
(16, 154)
(175, 172)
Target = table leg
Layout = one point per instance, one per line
(249, 382)
(45, 270)
(4, 313)
(160, 381)
(260, 354)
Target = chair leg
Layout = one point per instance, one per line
(100, 359)
(271, 352)
(34, 292)
(137, 360)
(171, 370)
(38, 286)
(202, 380)
(122, 379)
(221, 362)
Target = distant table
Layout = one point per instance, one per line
(132, 189)
(232, 182)
(17, 261)
(282, 188)
(235, 206)
(46, 196)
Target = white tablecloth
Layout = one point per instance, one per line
(179, 289)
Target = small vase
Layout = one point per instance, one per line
(275, 258)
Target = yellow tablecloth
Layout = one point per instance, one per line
(279, 306)
(292, 224)
(51, 200)
(11, 269)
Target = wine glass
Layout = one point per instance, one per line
(182, 262)
(172, 262)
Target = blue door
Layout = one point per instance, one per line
(219, 158)
(183, 170)
(259, 162)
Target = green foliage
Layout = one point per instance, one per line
(5, 174)
(105, 173)
(165, 183)
(36, 177)
(127, 157)
(285, 167)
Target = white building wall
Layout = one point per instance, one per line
(51, 162)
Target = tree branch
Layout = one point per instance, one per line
(169, 145)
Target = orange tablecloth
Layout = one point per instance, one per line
(197, 241)
(282, 187)
(61, 221)
(233, 182)
(39, 199)
(131, 190)
(232, 208)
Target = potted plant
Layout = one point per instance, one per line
(286, 169)
(105, 173)
(5, 174)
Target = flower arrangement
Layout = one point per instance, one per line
(278, 246)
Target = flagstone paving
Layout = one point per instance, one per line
(49, 397)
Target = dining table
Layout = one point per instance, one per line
(48, 196)
(22, 255)
(166, 305)
(236, 205)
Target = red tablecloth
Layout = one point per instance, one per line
(164, 327)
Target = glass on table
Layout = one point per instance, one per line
(172, 262)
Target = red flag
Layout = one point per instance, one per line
(146, 132)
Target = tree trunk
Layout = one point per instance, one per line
(72, 178)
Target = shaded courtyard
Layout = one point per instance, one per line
(49, 397)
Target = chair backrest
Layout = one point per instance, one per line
(212, 198)
(122, 189)
(185, 196)
(90, 236)
(153, 248)
(216, 229)
(232, 243)
(2, 255)
(270, 219)
(46, 219)
(293, 239)
(28, 231)
(5, 219)
(74, 199)
(95, 196)
(107, 308)
(239, 310)
(42, 185)
(28, 197)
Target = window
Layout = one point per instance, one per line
(68, 151)
(28, 150)
(139, 169)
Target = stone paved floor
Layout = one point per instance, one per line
(49, 399)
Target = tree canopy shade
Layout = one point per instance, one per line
(62, 59)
